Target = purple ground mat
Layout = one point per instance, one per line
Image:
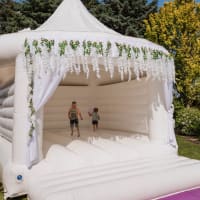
(187, 195)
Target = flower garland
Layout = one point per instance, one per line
(51, 55)
(130, 51)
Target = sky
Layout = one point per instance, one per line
(161, 2)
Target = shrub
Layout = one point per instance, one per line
(178, 104)
(188, 121)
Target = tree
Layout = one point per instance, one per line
(125, 16)
(177, 27)
(90, 4)
(11, 19)
(38, 10)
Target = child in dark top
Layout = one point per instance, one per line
(73, 115)
(95, 118)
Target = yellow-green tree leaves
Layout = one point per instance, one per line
(177, 27)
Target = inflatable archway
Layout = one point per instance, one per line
(130, 79)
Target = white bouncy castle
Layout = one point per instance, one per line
(72, 56)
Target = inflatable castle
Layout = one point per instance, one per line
(74, 57)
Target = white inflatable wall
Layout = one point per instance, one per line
(6, 124)
(125, 106)
(6, 112)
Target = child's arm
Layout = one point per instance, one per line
(89, 114)
(80, 115)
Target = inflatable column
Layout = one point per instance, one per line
(21, 123)
(15, 173)
(157, 114)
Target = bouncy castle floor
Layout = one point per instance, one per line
(63, 137)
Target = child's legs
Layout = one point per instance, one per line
(72, 126)
(95, 125)
(77, 127)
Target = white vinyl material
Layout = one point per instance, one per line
(6, 133)
(135, 148)
(8, 102)
(6, 111)
(11, 90)
(110, 169)
(5, 150)
(1, 100)
(4, 91)
(118, 181)
(124, 106)
(6, 123)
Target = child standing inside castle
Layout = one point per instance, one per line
(95, 118)
(73, 115)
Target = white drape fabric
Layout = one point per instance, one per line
(44, 86)
(168, 100)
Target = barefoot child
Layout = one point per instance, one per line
(73, 114)
(95, 119)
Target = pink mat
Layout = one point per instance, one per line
(187, 195)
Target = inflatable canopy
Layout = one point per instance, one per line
(72, 56)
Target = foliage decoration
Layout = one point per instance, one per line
(108, 47)
(99, 47)
(136, 51)
(62, 46)
(120, 48)
(37, 48)
(48, 43)
(74, 44)
(144, 51)
(27, 47)
(101, 50)
(128, 51)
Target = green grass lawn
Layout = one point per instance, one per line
(186, 148)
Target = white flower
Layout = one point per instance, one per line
(33, 118)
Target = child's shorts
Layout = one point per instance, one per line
(74, 122)
(95, 122)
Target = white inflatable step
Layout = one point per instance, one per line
(73, 173)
